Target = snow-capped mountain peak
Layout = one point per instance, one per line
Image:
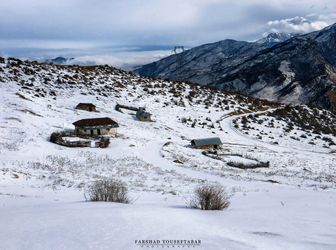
(275, 37)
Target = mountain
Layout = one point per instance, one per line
(59, 60)
(300, 70)
(199, 63)
(274, 38)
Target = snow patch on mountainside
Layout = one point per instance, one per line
(286, 71)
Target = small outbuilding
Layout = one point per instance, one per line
(143, 116)
(207, 143)
(86, 106)
(96, 127)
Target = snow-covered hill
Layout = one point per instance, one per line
(290, 204)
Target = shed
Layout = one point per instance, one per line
(206, 143)
(143, 116)
(96, 126)
(86, 106)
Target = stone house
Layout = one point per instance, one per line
(96, 127)
(86, 106)
(143, 116)
(207, 143)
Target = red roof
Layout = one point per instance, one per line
(96, 122)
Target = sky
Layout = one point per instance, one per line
(132, 32)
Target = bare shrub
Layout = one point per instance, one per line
(210, 197)
(109, 190)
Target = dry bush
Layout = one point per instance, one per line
(210, 197)
(109, 190)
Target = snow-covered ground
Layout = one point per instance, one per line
(290, 205)
(261, 216)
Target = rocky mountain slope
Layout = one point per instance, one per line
(300, 70)
(197, 64)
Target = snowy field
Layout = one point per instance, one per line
(290, 205)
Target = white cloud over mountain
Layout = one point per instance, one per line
(297, 25)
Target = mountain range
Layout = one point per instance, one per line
(296, 69)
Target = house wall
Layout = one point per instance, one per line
(144, 118)
(113, 131)
(208, 147)
(87, 108)
(103, 131)
(202, 147)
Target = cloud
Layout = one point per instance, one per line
(296, 25)
(123, 60)
(188, 22)
(125, 57)
(40, 28)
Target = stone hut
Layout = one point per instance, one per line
(86, 106)
(207, 143)
(143, 116)
(96, 127)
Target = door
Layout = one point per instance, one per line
(91, 131)
(98, 131)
